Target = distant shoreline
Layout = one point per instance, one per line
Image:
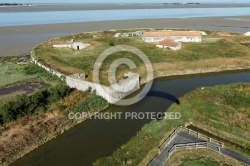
(73, 7)
(14, 4)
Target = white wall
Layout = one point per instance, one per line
(128, 86)
(52, 71)
(62, 45)
(176, 38)
(247, 34)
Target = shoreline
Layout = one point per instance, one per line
(22, 39)
(73, 7)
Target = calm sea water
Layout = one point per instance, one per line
(52, 17)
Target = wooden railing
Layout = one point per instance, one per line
(170, 138)
(191, 132)
(210, 143)
(202, 136)
(194, 145)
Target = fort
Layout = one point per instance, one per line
(126, 86)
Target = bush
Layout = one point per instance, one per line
(24, 105)
(31, 69)
(112, 44)
(91, 103)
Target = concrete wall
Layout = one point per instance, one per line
(52, 71)
(176, 38)
(62, 45)
(247, 34)
(128, 86)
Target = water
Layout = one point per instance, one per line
(52, 17)
(93, 139)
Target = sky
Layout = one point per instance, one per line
(121, 1)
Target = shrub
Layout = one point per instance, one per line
(23, 105)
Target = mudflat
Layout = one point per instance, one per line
(19, 40)
(113, 7)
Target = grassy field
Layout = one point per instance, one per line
(227, 51)
(220, 110)
(13, 73)
(200, 157)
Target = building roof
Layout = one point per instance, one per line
(171, 33)
(169, 42)
(77, 44)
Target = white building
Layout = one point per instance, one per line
(181, 36)
(247, 34)
(75, 46)
(169, 43)
(79, 46)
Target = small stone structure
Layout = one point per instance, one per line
(79, 46)
(127, 86)
(247, 34)
(181, 36)
(129, 34)
(75, 45)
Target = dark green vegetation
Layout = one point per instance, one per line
(221, 110)
(40, 101)
(91, 103)
(41, 117)
(215, 46)
(23, 105)
(29, 120)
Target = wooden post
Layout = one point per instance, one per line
(159, 151)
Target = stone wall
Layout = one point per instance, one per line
(52, 71)
(127, 86)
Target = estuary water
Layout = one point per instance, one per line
(53, 17)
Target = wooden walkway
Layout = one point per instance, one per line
(182, 138)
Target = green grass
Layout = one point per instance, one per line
(200, 157)
(208, 109)
(70, 61)
(199, 161)
(13, 73)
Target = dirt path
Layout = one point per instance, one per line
(25, 88)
